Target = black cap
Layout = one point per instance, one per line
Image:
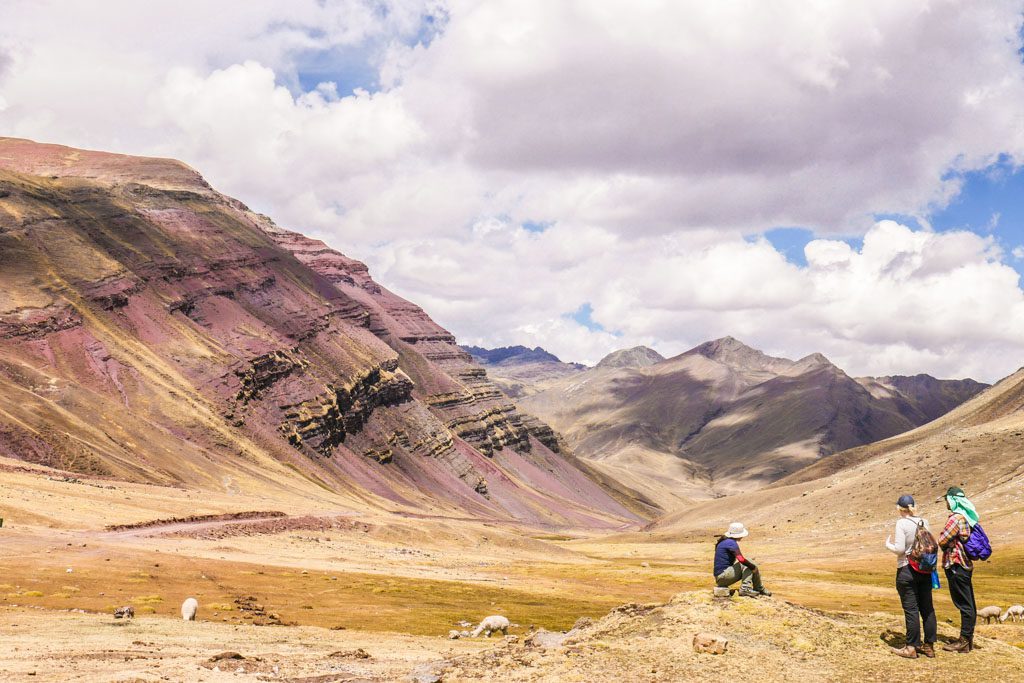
(906, 501)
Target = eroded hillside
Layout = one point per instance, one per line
(156, 331)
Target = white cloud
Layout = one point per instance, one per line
(651, 135)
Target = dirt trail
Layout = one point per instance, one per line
(251, 521)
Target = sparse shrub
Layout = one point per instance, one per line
(33, 594)
(146, 599)
(802, 644)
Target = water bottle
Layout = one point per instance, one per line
(935, 580)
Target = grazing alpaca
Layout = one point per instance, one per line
(124, 613)
(189, 609)
(1015, 613)
(491, 624)
(989, 613)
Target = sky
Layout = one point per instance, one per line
(805, 176)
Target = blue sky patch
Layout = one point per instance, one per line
(537, 226)
(584, 316)
(352, 67)
(990, 203)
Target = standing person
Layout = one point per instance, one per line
(730, 565)
(914, 588)
(959, 567)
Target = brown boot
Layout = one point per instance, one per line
(909, 652)
(927, 649)
(953, 645)
(961, 645)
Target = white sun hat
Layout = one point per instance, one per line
(736, 530)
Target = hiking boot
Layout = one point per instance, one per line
(749, 593)
(908, 652)
(961, 645)
(926, 649)
(765, 592)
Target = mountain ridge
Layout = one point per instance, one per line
(190, 341)
(723, 417)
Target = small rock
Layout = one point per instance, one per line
(359, 653)
(454, 635)
(425, 673)
(645, 564)
(226, 655)
(582, 623)
(710, 643)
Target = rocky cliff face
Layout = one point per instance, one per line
(155, 330)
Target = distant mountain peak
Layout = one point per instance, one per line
(734, 353)
(522, 354)
(636, 357)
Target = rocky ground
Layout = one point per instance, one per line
(766, 640)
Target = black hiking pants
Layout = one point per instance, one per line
(961, 591)
(915, 591)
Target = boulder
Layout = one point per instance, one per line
(545, 640)
(710, 643)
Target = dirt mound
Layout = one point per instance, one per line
(254, 514)
(769, 640)
(264, 527)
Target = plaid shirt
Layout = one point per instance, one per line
(951, 540)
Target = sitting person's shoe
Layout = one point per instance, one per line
(765, 592)
(926, 649)
(908, 652)
(749, 592)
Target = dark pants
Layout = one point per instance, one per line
(915, 591)
(961, 591)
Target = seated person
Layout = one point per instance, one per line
(731, 566)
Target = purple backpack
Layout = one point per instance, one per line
(977, 546)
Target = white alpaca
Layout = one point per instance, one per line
(1015, 613)
(491, 624)
(189, 609)
(988, 613)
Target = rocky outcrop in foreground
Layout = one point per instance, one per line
(767, 640)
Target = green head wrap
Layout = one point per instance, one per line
(959, 504)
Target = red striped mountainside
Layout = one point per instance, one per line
(154, 330)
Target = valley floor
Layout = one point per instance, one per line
(394, 585)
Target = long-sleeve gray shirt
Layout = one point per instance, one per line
(903, 539)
